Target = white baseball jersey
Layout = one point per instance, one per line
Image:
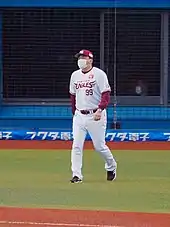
(88, 87)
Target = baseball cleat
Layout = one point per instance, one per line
(111, 175)
(75, 179)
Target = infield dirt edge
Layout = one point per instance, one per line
(66, 145)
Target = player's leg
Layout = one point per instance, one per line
(97, 130)
(79, 134)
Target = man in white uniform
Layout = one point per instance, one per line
(90, 94)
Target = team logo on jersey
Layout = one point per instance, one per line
(85, 84)
(91, 76)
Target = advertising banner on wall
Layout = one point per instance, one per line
(111, 135)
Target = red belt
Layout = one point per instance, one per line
(88, 111)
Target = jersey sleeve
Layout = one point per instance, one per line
(103, 82)
(72, 89)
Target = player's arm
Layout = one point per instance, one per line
(73, 103)
(105, 99)
(105, 90)
(72, 92)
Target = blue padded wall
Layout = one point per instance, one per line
(60, 117)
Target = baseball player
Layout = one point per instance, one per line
(90, 94)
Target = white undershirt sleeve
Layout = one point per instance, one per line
(103, 82)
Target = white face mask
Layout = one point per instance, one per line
(82, 63)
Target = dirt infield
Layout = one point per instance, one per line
(22, 217)
(47, 145)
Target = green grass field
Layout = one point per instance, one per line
(41, 179)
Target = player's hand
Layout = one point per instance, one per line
(97, 115)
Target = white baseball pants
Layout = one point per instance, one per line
(96, 129)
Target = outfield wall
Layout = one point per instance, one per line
(60, 117)
(66, 135)
(36, 60)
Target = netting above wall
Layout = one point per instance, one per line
(39, 47)
(169, 65)
(138, 51)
